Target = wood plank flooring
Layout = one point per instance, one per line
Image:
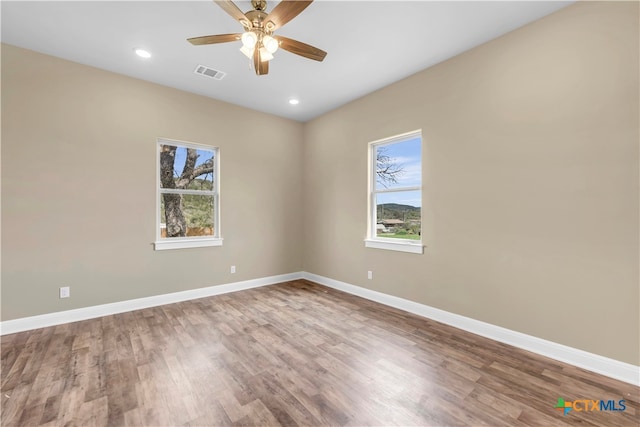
(295, 353)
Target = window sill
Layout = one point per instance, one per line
(162, 245)
(395, 245)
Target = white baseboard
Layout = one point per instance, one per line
(593, 362)
(68, 316)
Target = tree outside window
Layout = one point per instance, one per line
(188, 191)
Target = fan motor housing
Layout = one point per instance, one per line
(256, 17)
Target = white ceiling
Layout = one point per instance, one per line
(370, 44)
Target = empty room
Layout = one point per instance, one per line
(320, 213)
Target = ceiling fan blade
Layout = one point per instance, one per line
(219, 38)
(262, 67)
(299, 48)
(284, 12)
(233, 10)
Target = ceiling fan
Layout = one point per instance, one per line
(258, 41)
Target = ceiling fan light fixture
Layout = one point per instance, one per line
(248, 52)
(270, 44)
(265, 55)
(258, 42)
(249, 39)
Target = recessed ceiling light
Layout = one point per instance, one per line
(142, 53)
(294, 101)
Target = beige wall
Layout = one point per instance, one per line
(530, 182)
(78, 187)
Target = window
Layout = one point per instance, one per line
(395, 193)
(188, 195)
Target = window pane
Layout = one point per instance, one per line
(187, 215)
(398, 215)
(399, 164)
(186, 168)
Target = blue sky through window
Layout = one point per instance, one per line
(181, 155)
(408, 155)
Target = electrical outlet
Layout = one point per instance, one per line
(369, 274)
(233, 269)
(65, 292)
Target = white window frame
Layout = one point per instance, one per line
(372, 241)
(166, 243)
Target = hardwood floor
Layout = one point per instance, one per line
(295, 353)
